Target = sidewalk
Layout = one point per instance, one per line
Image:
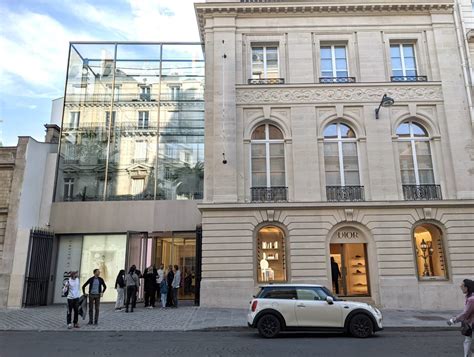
(186, 318)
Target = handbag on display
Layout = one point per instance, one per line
(466, 329)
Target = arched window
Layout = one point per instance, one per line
(415, 156)
(341, 163)
(429, 251)
(271, 266)
(268, 164)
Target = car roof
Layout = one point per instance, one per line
(291, 285)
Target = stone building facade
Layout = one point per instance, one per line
(300, 167)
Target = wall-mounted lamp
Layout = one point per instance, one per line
(385, 102)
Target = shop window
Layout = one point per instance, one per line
(271, 266)
(429, 252)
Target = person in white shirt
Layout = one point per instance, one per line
(176, 285)
(159, 278)
(72, 287)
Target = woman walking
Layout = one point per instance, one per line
(132, 283)
(120, 287)
(467, 316)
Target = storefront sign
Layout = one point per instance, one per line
(347, 235)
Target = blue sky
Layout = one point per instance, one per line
(34, 40)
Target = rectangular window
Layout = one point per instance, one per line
(334, 61)
(68, 189)
(403, 60)
(107, 119)
(137, 186)
(140, 151)
(265, 62)
(145, 93)
(116, 92)
(143, 120)
(74, 120)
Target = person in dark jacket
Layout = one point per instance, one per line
(149, 278)
(97, 288)
(336, 274)
(169, 279)
(120, 287)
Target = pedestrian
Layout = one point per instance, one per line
(132, 283)
(169, 280)
(72, 291)
(164, 292)
(467, 316)
(159, 278)
(97, 289)
(335, 274)
(120, 287)
(140, 276)
(176, 284)
(149, 278)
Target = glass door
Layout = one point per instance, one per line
(139, 251)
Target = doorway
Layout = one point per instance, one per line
(351, 259)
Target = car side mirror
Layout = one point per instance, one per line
(329, 300)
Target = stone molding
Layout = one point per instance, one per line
(348, 94)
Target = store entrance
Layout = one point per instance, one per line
(351, 260)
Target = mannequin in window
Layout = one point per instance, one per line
(267, 273)
(336, 274)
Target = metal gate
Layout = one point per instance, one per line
(40, 253)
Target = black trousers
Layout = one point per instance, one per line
(94, 303)
(150, 297)
(131, 296)
(169, 297)
(336, 285)
(72, 305)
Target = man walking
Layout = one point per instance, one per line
(97, 288)
(176, 284)
(336, 274)
(72, 289)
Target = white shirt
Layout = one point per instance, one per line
(160, 276)
(74, 289)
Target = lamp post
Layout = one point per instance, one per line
(385, 102)
(426, 252)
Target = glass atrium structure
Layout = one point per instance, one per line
(133, 123)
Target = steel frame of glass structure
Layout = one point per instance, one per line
(133, 122)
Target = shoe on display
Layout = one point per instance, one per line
(358, 271)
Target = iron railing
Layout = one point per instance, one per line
(345, 193)
(421, 192)
(409, 78)
(326, 80)
(269, 194)
(267, 81)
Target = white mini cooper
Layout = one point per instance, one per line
(310, 307)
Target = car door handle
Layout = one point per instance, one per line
(301, 305)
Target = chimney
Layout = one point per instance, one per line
(52, 134)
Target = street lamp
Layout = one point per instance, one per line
(385, 102)
(426, 252)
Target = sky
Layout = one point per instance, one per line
(34, 42)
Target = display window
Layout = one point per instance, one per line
(106, 253)
(429, 252)
(271, 265)
(349, 269)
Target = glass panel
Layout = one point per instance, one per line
(259, 165)
(271, 255)
(426, 177)
(106, 253)
(277, 165)
(330, 132)
(397, 73)
(410, 73)
(341, 64)
(429, 252)
(326, 65)
(326, 52)
(396, 63)
(409, 63)
(418, 130)
(340, 52)
(395, 51)
(346, 131)
(259, 133)
(403, 129)
(408, 51)
(331, 164)
(183, 52)
(275, 133)
(333, 178)
(277, 150)
(351, 178)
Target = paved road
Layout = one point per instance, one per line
(226, 343)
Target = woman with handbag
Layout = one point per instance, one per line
(467, 316)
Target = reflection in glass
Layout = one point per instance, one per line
(153, 147)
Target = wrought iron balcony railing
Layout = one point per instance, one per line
(409, 78)
(267, 81)
(421, 192)
(337, 80)
(269, 194)
(345, 193)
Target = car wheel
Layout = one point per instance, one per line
(361, 326)
(268, 326)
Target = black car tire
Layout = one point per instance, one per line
(361, 326)
(269, 326)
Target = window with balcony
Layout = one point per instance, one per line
(265, 65)
(143, 119)
(429, 252)
(416, 165)
(341, 163)
(145, 93)
(403, 61)
(68, 189)
(74, 120)
(334, 68)
(268, 164)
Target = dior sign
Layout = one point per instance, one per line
(347, 235)
(323, 94)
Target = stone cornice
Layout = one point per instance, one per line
(348, 93)
(313, 8)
